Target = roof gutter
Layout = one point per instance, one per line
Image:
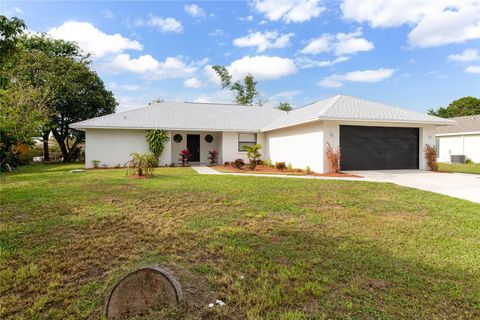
(83, 128)
(449, 123)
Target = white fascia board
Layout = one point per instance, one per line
(457, 134)
(164, 128)
(360, 120)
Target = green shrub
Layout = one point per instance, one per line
(238, 163)
(280, 166)
(469, 161)
(289, 166)
(268, 163)
(96, 163)
(308, 170)
(156, 140)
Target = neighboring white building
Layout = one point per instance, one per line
(370, 135)
(461, 139)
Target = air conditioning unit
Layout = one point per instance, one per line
(458, 158)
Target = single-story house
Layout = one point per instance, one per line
(460, 139)
(370, 135)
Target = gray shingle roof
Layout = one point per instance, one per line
(228, 117)
(187, 116)
(464, 124)
(350, 108)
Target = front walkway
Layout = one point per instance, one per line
(458, 185)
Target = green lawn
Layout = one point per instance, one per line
(463, 168)
(270, 248)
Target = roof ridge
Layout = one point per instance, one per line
(332, 103)
(224, 104)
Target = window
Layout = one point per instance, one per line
(209, 138)
(177, 138)
(246, 139)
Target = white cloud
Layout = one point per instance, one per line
(319, 45)
(216, 33)
(305, 63)
(92, 39)
(247, 18)
(129, 103)
(350, 43)
(262, 67)
(130, 87)
(165, 24)
(171, 67)
(340, 44)
(192, 83)
(142, 64)
(434, 22)
(466, 56)
(17, 10)
(107, 14)
(336, 80)
(264, 40)
(473, 69)
(289, 10)
(195, 11)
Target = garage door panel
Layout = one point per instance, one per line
(378, 148)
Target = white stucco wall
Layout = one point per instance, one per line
(113, 147)
(204, 146)
(229, 147)
(300, 145)
(468, 145)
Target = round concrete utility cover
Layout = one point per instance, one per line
(141, 290)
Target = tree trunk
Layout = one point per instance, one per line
(46, 154)
(61, 144)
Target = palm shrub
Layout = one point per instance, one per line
(431, 157)
(141, 164)
(333, 158)
(156, 140)
(253, 155)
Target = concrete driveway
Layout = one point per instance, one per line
(458, 185)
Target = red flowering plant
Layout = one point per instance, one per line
(213, 156)
(184, 157)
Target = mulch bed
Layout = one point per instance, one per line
(270, 170)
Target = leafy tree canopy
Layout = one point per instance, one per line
(466, 106)
(284, 106)
(245, 90)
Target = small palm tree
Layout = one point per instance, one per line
(141, 164)
(253, 155)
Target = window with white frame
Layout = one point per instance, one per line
(246, 139)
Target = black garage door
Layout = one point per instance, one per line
(378, 148)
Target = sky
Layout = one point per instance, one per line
(414, 54)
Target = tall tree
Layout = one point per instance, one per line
(39, 59)
(79, 95)
(10, 32)
(284, 106)
(22, 110)
(466, 106)
(245, 90)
